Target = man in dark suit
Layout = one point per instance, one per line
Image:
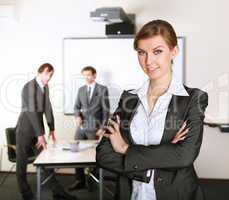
(30, 130)
(91, 112)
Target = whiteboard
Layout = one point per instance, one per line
(115, 61)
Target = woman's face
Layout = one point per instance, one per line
(155, 56)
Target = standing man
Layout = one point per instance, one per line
(30, 131)
(91, 111)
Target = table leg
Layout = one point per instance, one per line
(38, 183)
(100, 184)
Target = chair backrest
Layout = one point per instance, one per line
(11, 142)
(11, 146)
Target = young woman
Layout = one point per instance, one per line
(158, 130)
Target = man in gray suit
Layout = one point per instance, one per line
(91, 111)
(30, 131)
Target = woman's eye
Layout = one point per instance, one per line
(141, 53)
(158, 51)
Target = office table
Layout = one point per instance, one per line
(55, 157)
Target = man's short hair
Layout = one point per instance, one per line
(44, 66)
(89, 68)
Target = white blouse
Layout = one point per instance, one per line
(147, 129)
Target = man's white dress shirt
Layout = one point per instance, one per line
(40, 83)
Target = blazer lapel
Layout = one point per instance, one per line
(46, 96)
(130, 105)
(84, 94)
(175, 117)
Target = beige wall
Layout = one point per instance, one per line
(35, 36)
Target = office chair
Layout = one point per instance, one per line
(11, 151)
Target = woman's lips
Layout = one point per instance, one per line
(153, 69)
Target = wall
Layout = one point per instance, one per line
(35, 36)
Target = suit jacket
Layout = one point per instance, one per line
(35, 103)
(95, 113)
(174, 175)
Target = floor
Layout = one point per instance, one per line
(215, 189)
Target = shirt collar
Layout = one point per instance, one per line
(176, 87)
(92, 85)
(40, 82)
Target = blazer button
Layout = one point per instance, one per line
(135, 166)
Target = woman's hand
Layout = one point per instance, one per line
(116, 139)
(181, 134)
(99, 134)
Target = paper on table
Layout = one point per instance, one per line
(78, 146)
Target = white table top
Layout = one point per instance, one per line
(56, 155)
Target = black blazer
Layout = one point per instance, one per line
(174, 175)
(35, 103)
